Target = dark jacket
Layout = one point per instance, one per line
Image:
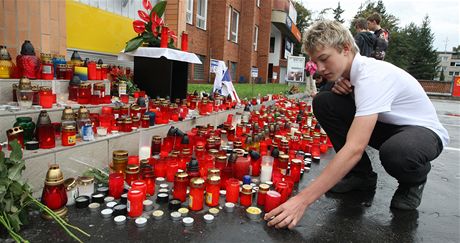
(365, 41)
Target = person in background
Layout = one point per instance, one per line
(382, 36)
(364, 38)
(371, 103)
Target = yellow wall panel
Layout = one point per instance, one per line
(90, 28)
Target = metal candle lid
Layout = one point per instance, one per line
(25, 84)
(54, 176)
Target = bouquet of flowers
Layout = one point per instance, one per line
(149, 29)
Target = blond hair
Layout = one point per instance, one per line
(328, 33)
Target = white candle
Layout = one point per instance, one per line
(144, 152)
(266, 173)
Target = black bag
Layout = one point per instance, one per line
(380, 44)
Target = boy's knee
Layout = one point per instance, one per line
(321, 101)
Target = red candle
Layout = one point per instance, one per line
(164, 37)
(241, 167)
(149, 183)
(131, 173)
(296, 166)
(246, 196)
(212, 191)
(135, 206)
(160, 167)
(68, 135)
(116, 185)
(282, 188)
(232, 188)
(54, 197)
(184, 41)
(196, 194)
(45, 98)
(272, 201)
(141, 186)
(46, 137)
(171, 171)
(180, 186)
(262, 194)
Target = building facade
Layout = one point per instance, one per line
(245, 34)
(449, 64)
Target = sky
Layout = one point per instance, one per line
(443, 14)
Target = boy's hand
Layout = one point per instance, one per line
(342, 87)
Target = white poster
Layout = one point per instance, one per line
(295, 69)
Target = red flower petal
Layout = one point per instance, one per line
(139, 26)
(143, 15)
(147, 4)
(156, 19)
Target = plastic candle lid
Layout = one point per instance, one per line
(164, 186)
(141, 222)
(214, 211)
(109, 199)
(188, 221)
(158, 214)
(208, 218)
(175, 215)
(94, 206)
(120, 219)
(147, 202)
(111, 204)
(106, 212)
(183, 211)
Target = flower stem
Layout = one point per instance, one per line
(4, 221)
(58, 219)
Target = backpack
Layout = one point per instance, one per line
(380, 44)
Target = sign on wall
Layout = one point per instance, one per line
(295, 69)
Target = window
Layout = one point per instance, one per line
(201, 13)
(233, 20)
(189, 14)
(272, 44)
(451, 73)
(258, 3)
(256, 37)
(198, 70)
(126, 8)
(233, 66)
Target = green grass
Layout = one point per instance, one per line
(248, 90)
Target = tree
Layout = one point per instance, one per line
(303, 21)
(424, 60)
(338, 13)
(441, 76)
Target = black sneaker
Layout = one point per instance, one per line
(355, 183)
(407, 197)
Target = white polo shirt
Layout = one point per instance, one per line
(397, 97)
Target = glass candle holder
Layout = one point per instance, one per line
(184, 41)
(180, 186)
(141, 186)
(116, 183)
(233, 189)
(196, 194)
(212, 191)
(261, 194)
(296, 166)
(135, 200)
(15, 133)
(246, 196)
(266, 168)
(272, 201)
(85, 186)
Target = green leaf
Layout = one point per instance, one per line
(159, 8)
(134, 43)
(16, 189)
(8, 203)
(147, 35)
(14, 173)
(15, 222)
(2, 157)
(16, 152)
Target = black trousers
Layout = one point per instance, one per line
(404, 151)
